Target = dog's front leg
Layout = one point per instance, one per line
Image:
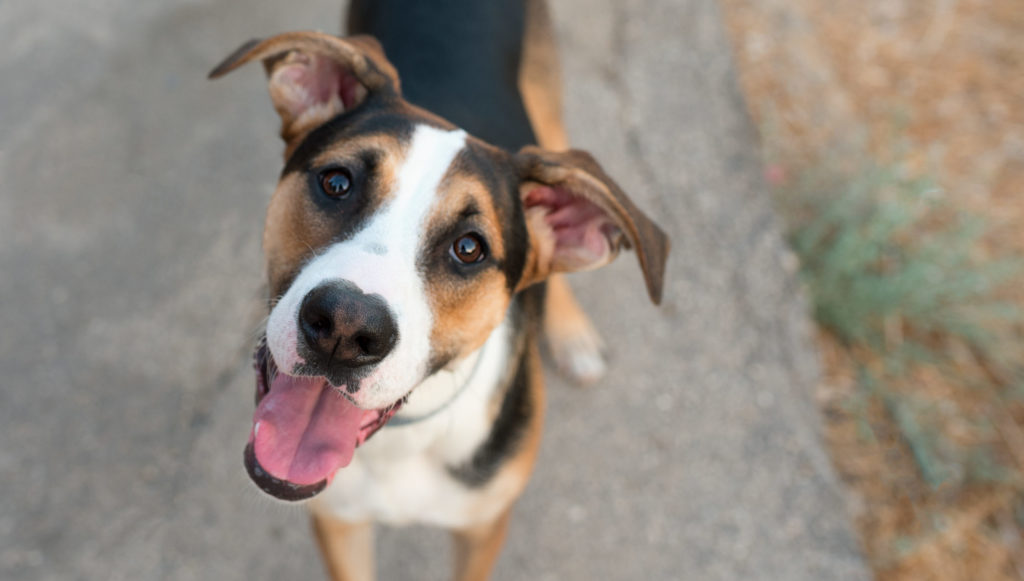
(574, 343)
(477, 549)
(346, 548)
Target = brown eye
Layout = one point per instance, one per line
(336, 183)
(468, 248)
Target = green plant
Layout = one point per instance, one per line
(901, 279)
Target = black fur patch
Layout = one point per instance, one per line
(517, 408)
(459, 60)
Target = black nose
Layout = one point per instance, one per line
(344, 327)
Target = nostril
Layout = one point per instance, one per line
(365, 343)
(321, 325)
(316, 321)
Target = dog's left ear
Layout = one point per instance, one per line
(313, 76)
(578, 219)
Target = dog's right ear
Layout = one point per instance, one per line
(314, 76)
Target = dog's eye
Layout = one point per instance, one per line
(468, 248)
(336, 183)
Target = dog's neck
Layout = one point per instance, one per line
(475, 375)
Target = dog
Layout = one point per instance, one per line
(416, 247)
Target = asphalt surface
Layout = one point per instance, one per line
(131, 200)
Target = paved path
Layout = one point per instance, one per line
(131, 196)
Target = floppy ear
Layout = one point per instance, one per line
(314, 76)
(578, 219)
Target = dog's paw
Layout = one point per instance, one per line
(576, 349)
(574, 344)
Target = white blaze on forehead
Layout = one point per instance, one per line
(381, 259)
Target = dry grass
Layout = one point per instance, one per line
(937, 87)
(947, 74)
(967, 530)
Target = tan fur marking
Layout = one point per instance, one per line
(292, 232)
(540, 78)
(465, 313)
(458, 303)
(477, 549)
(347, 549)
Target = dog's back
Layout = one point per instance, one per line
(458, 58)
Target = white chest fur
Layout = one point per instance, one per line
(401, 475)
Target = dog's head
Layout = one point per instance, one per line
(394, 244)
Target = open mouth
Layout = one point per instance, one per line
(304, 430)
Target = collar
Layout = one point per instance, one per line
(399, 421)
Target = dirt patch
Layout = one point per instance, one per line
(938, 86)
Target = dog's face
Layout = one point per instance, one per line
(394, 245)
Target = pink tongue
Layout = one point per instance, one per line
(303, 430)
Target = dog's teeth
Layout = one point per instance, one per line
(256, 430)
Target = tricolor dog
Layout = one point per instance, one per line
(415, 246)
